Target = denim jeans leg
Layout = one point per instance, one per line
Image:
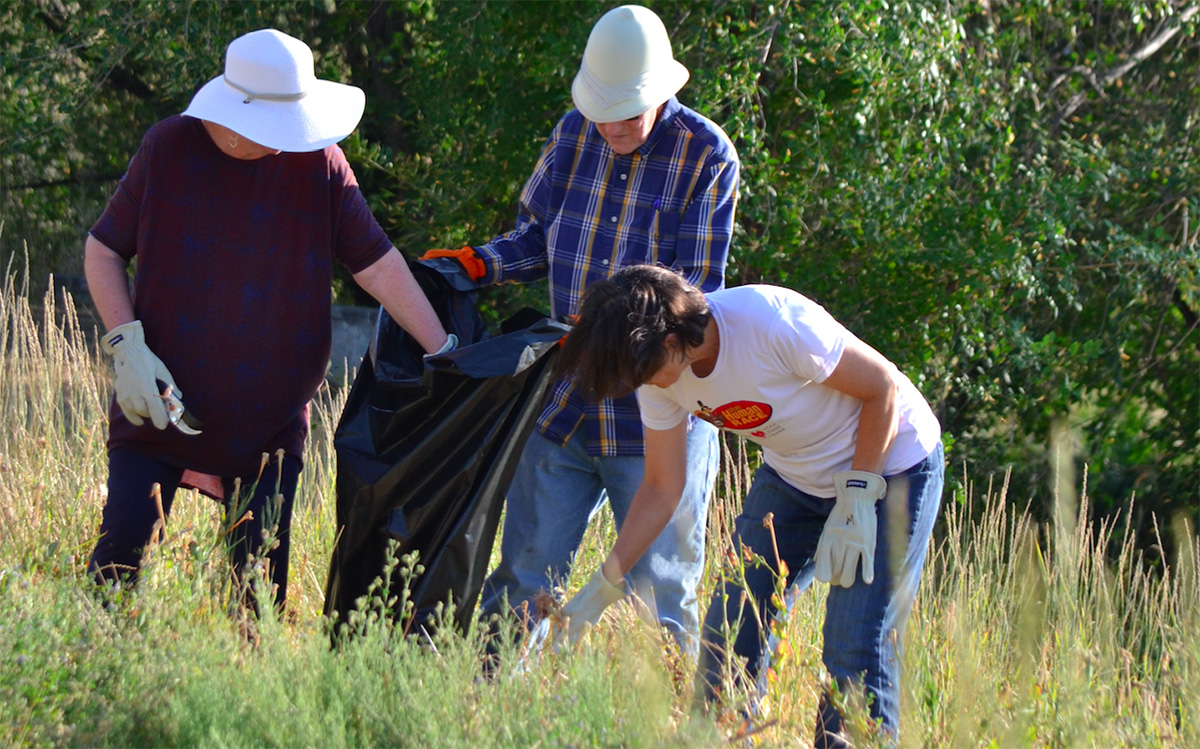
(864, 624)
(667, 576)
(130, 512)
(797, 523)
(554, 491)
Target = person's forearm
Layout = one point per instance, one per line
(108, 283)
(649, 513)
(863, 373)
(655, 500)
(517, 257)
(877, 427)
(391, 283)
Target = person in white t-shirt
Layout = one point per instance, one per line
(852, 475)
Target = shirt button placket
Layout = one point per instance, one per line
(618, 189)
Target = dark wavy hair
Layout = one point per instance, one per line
(618, 341)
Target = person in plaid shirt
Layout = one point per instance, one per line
(630, 176)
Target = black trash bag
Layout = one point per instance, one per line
(427, 448)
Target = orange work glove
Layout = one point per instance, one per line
(466, 257)
(574, 320)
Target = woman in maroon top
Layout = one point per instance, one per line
(235, 211)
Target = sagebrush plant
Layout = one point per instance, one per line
(1022, 635)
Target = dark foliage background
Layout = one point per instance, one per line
(1000, 195)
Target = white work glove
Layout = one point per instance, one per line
(586, 607)
(850, 529)
(137, 369)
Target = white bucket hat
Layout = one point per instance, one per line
(270, 94)
(627, 66)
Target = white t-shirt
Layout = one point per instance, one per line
(776, 348)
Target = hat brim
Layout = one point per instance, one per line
(665, 85)
(325, 116)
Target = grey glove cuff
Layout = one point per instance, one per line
(864, 483)
(612, 593)
(131, 331)
(450, 344)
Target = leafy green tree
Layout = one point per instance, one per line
(1000, 195)
(999, 201)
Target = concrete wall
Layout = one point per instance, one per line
(352, 331)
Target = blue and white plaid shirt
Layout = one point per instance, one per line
(586, 212)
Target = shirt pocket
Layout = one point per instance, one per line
(663, 234)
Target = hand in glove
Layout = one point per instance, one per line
(850, 530)
(585, 607)
(137, 368)
(466, 257)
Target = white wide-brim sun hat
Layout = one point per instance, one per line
(627, 66)
(271, 95)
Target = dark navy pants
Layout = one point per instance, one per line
(131, 511)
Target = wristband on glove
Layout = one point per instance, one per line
(450, 344)
(137, 371)
(850, 530)
(466, 257)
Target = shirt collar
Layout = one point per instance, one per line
(672, 108)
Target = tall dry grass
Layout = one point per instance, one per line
(1023, 635)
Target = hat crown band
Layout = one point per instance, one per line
(608, 94)
(267, 80)
(265, 96)
(621, 68)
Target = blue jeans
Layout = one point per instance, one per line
(555, 491)
(864, 624)
(130, 513)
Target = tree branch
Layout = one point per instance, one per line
(774, 30)
(1115, 72)
(1084, 71)
(1190, 318)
